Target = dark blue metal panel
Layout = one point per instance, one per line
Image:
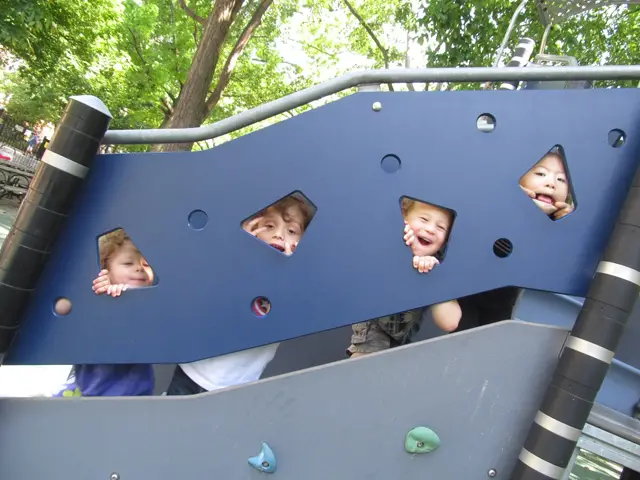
(351, 264)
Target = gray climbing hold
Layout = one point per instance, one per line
(265, 461)
(421, 440)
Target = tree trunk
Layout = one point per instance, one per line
(190, 109)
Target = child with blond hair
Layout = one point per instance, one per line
(426, 232)
(123, 267)
(280, 226)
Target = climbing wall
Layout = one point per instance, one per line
(478, 391)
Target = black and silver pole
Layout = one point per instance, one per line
(43, 211)
(520, 58)
(588, 351)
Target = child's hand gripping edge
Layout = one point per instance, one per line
(102, 284)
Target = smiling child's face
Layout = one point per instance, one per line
(128, 266)
(548, 180)
(430, 226)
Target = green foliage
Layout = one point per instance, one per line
(41, 32)
(469, 33)
(135, 54)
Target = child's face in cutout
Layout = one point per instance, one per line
(128, 266)
(548, 182)
(276, 228)
(430, 226)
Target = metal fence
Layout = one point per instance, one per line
(14, 145)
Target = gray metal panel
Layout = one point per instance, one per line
(557, 11)
(479, 390)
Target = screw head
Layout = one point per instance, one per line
(492, 472)
(115, 476)
(377, 106)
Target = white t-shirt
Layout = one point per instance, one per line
(231, 369)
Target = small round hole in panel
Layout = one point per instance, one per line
(502, 247)
(486, 123)
(260, 306)
(616, 138)
(198, 219)
(390, 163)
(62, 306)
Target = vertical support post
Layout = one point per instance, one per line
(45, 207)
(588, 351)
(545, 37)
(520, 58)
(507, 35)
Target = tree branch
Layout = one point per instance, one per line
(136, 46)
(384, 51)
(329, 54)
(167, 107)
(191, 13)
(235, 54)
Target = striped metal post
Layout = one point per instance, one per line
(588, 352)
(520, 58)
(43, 211)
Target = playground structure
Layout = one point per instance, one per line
(508, 400)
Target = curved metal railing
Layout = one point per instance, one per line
(353, 79)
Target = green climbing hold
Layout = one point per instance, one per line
(421, 440)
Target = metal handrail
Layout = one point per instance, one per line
(353, 79)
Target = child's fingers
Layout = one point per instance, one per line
(289, 248)
(250, 224)
(100, 289)
(409, 238)
(258, 230)
(101, 278)
(563, 206)
(101, 281)
(530, 193)
(424, 264)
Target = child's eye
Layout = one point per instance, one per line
(562, 180)
(441, 228)
(128, 263)
(540, 174)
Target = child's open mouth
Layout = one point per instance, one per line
(425, 242)
(277, 247)
(544, 198)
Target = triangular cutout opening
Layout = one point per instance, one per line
(427, 231)
(548, 184)
(122, 266)
(282, 224)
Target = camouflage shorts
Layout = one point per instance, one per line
(385, 332)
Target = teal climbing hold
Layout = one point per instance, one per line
(265, 461)
(421, 440)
